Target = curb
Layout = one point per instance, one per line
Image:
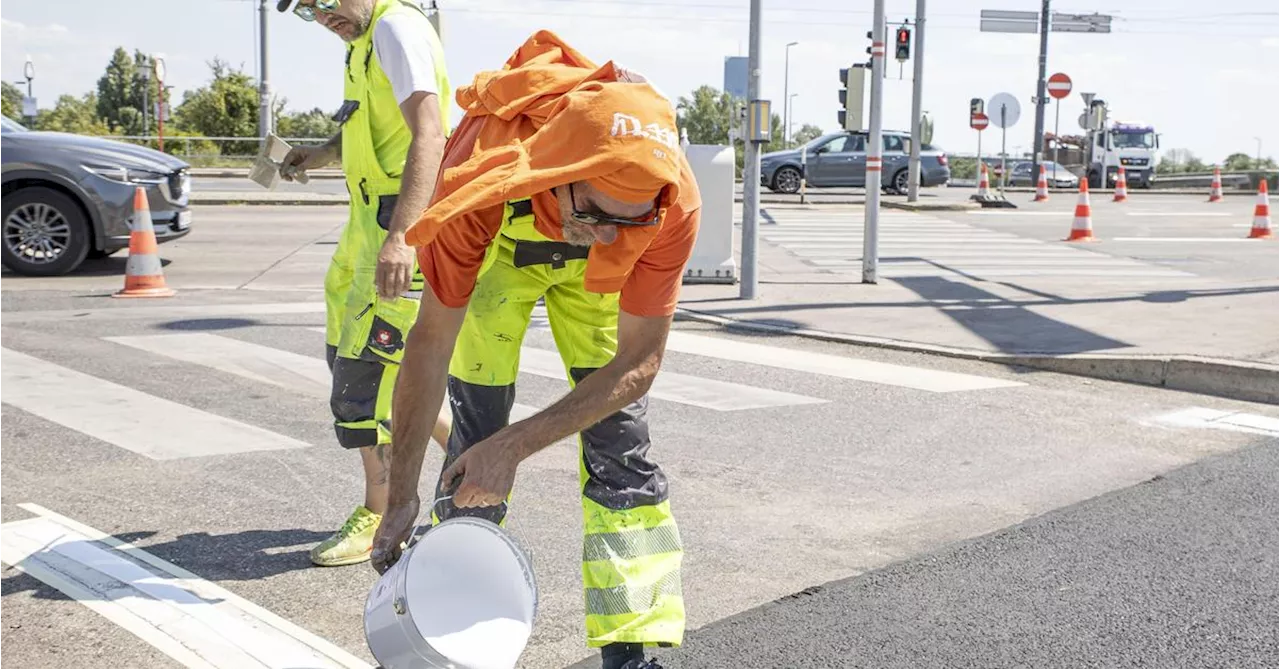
(1231, 379)
(275, 202)
(232, 173)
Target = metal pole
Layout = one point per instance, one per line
(160, 109)
(786, 99)
(264, 87)
(1038, 145)
(871, 213)
(1003, 132)
(917, 92)
(751, 167)
(1057, 107)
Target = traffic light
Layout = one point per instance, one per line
(903, 44)
(852, 81)
(975, 107)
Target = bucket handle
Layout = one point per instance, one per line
(414, 537)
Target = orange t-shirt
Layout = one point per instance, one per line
(451, 262)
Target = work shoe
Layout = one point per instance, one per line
(642, 664)
(352, 543)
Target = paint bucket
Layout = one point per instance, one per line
(462, 597)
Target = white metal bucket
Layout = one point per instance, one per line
(462, 597)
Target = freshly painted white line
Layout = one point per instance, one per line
(1031, 245)
(831, 365)
(1020, 213)
(988, 272)
(1186, 240)
(193, 621)
(1187, 214)
(833, 240)
(682, 388)
(966, 255)
(133, 420)
(1237, 421)
(264, 364)
(195, 311)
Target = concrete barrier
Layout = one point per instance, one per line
(712, 260)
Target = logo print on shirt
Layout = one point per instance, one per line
(625, 124)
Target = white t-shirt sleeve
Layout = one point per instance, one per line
(404, 51)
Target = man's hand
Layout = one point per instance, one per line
(483, 475)
(303, 158)
(395, 267)
(396, 526)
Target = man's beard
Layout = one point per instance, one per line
(577, 235)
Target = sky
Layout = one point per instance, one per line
(1204, 74)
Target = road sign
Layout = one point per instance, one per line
(1059, 85)
(1084, 121)
(735, 76)
(1003, 21)
(1080, 23)
(1010, 113)
(979, 122)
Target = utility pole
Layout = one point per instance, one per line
(917, 91)
(786, 98)
(1038, 145)
(751, 161)
(871, 213)
(264, 88)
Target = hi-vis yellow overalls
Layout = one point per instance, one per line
(364, 334)
(631, 552)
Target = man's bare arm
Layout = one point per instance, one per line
(422, 114)
(641, 341)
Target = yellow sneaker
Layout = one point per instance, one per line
(352, 543)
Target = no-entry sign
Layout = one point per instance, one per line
(1059, 85)
(978, 121)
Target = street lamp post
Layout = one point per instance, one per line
(1257, 162)
(790, 118)
(786, 87)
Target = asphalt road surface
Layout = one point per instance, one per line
(196, 428)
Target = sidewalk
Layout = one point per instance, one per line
(1197, 334)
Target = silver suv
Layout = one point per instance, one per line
(69, 197)
(840, 159)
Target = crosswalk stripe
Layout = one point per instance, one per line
(111, 412)
(826, 364)
(195, 311)
(682, 388)
(890, 272)
(256, 362)
(193, 621)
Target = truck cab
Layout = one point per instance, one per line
(1130, 145)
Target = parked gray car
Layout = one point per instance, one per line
(68, 197)
(840, 159)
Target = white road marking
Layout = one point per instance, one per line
(264, 364)
(831, 365)
(196, 311)
(1183, 240)
(987, 270)
(1187, 214)
(193, 621)
(1237, 421)
(1006, 212)
(682, 388)
(145, 424)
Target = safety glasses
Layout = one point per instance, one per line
(587, 218)
(308, 12)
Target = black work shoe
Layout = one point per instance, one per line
(642, 664)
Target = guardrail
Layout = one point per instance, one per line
(210, 151)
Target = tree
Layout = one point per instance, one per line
(315, 123)
(706, 114)
(11, 101)
(226, 107)
(807, 133)
(116, 92)
(1175, 160)
(1238, 162)
(74, 115)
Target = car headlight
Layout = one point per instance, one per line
(125, 175)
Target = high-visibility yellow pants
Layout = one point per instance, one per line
(365, 334)
(631, 552)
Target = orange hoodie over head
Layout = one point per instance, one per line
(551, 117)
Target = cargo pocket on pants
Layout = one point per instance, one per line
(391, 322)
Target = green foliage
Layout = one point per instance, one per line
(74, 115)
(226, 107)
(315, 123)
(11, 101)
(807, 133)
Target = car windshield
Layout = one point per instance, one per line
(1133, 140)
(9, 125)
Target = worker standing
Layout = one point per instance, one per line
(565, 181)
(394, 121)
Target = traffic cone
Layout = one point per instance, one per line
(1082, 225)
(1122, 188)
(1042, 187)
(984, 185)
(1215, 190)
(143, 276)
(1261, 214)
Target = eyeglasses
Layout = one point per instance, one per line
(587, 218)
(308, 12)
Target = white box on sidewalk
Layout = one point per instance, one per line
(712, 260)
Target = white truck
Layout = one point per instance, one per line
(1113, 145)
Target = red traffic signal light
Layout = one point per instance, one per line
(904, 35)
(902, 50)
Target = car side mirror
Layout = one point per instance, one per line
(822, 149)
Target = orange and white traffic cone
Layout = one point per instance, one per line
(1042, 187)
(143, 275)
(1122, 188)
(1215, 189)
(984, 184)
(1082, 225)
(1261, 214)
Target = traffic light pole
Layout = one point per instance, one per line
(1037, 148)
(913, 166)
(871, 212)
(751, 165)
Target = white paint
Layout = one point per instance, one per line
(1174, 214)
(174, 312)
(145, 424)
(967, 255)
(993, 212)
(1183, 240)
(831, 365)
(987, 270)
(191, 620)
(674, 387)
(264, 364)
(1237, 421)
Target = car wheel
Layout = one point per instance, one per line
(45, 232)
(900, 182)
(786, 180)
